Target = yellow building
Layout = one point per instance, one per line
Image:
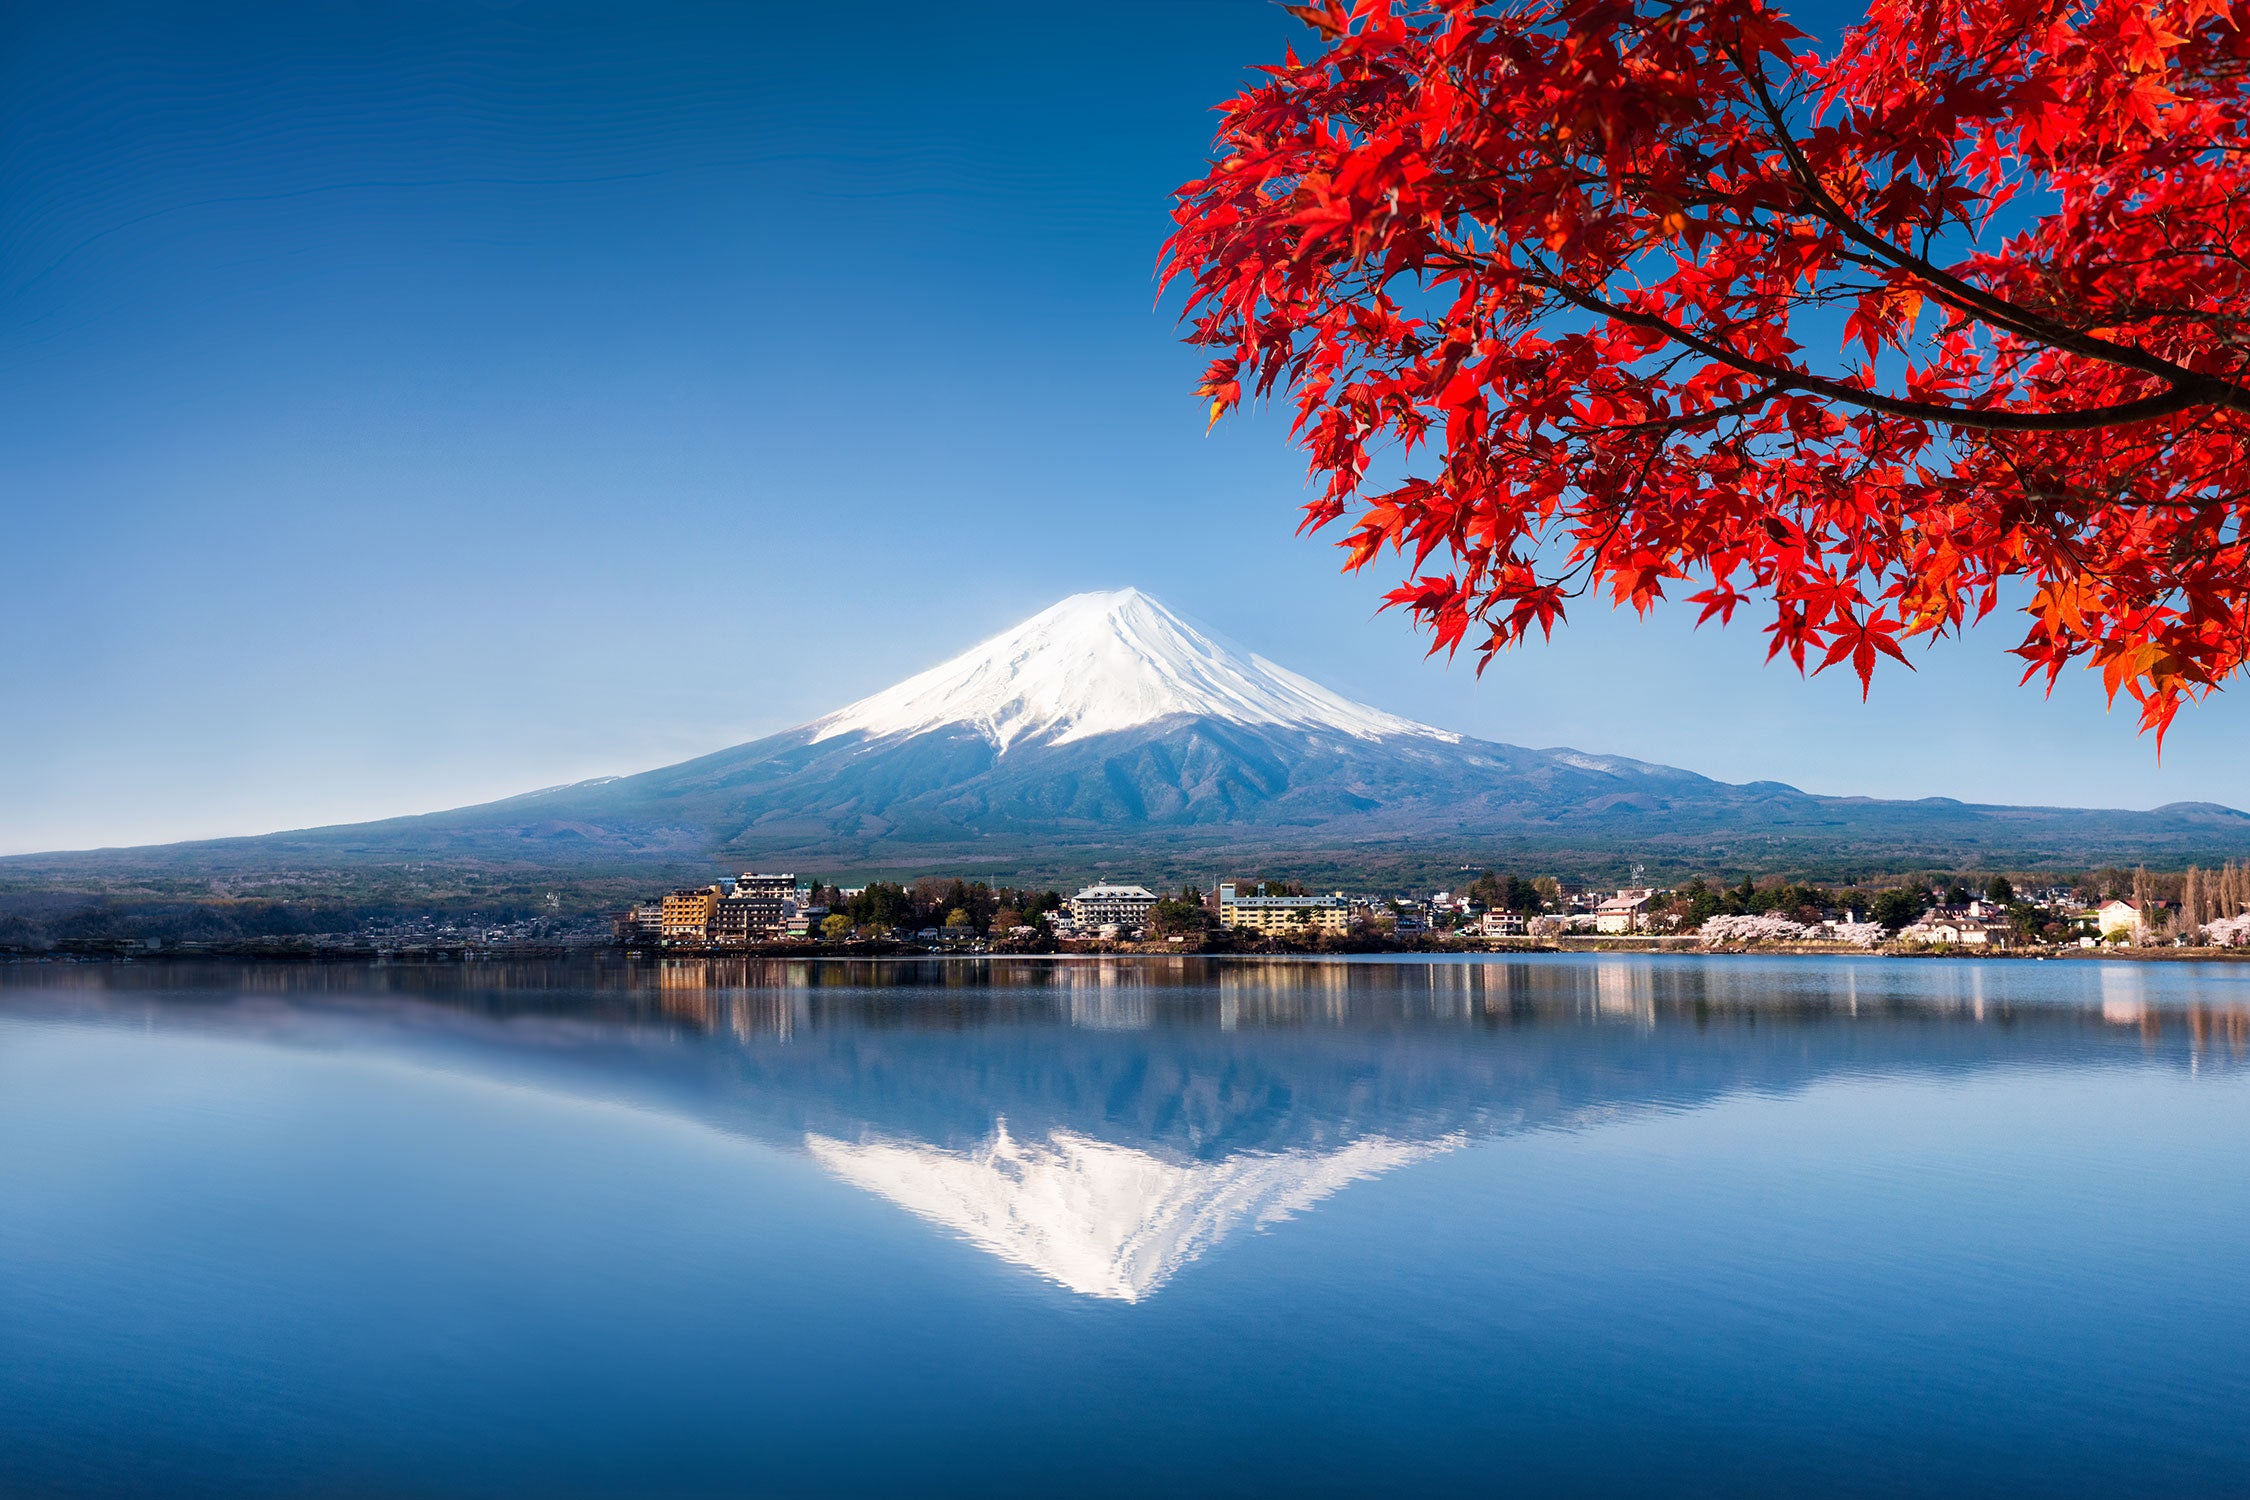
(2119, 919)
(687, 914)
(1283, 914)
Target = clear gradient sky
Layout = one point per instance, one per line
(404, 405)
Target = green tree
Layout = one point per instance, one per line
(881, 904)
(2000, 891)
(834, 926)
(1695, 904)
(1178, 917)
(1897, 907)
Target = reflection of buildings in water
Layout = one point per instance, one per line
(1264, 993)
(1097, 1218)
(1625, 991)
(682, 974)
(1109, 1010)
(683, 993)
(2124, 995)
(2210, 1023)
(707, 994)
(2125, 1002)
(1105, 996)
(1454, 990)
(2205, 999)
(762, 1015)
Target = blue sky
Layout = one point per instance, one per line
(406, 405)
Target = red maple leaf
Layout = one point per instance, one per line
(1560, 260)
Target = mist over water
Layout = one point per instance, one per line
(1548, 1224)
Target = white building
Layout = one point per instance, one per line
(1102, 905)
(1503, 924)
(1627, 911)
(1955, 932)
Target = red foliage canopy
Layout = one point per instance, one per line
(1575, 261)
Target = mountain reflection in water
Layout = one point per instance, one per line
(1105, 1123)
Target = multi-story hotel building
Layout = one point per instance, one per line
(687, 914)
(1125, 905)
(1283, 913)
(752, 886)
(760, 906)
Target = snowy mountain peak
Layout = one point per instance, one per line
(1100, 663)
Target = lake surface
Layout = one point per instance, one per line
(1551, 1226)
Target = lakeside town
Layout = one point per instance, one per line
(2107, 910)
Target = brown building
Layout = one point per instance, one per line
(688, 913)
(760, 907)
(733, 923)
(642, 923)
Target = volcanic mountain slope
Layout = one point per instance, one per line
(1108, 730)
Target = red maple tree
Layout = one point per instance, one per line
(1640, 292)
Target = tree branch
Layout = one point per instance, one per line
(1961, 294)
(2178, 398)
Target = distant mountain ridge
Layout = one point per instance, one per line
(1108, 733)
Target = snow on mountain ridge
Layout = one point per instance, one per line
(1100, 663)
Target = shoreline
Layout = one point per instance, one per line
(605, 955)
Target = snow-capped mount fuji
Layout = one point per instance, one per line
(1104, 663)
(1105, 727)
(1108, 734)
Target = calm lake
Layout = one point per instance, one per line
(1550, 1225)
